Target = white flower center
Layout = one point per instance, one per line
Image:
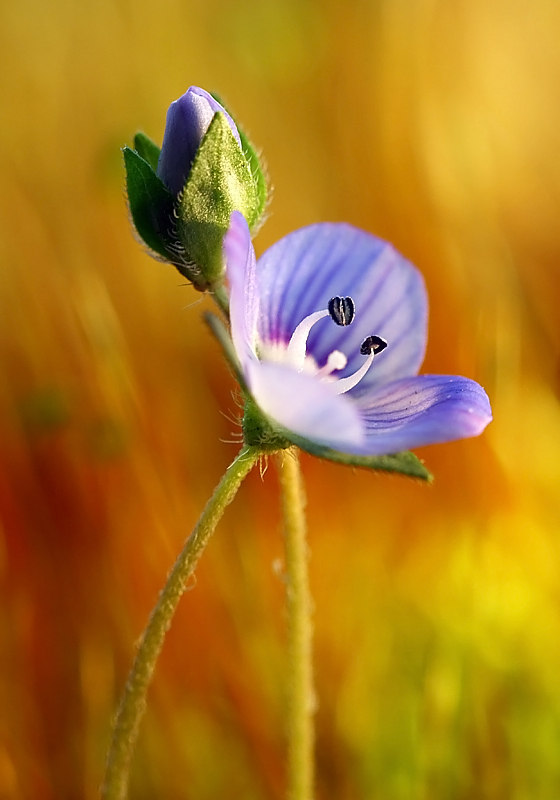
(341, 310)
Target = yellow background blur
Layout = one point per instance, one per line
(432, 124)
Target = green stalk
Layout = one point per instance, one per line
(133, 703)
(301, 700)
(221, 298)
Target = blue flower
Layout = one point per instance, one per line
(188, 119)
(330, 331)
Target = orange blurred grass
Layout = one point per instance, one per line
(434, 125)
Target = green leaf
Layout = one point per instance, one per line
(147, 149)
(151, 203)
(219, 182)
(405, 463)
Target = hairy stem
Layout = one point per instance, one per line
(221, 298)
(301, 701)
(133, 703)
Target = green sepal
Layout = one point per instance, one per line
(405, 463)
(221, 333)
(261, 431)
(147, 149)
(259, 178)
(220, 181)
(150, 202)
(257, 168)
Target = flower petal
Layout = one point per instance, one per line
(300, 273)
(187, 121)
(426, 409)
(302, 404)
(241, 268)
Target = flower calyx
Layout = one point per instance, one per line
(259, 431)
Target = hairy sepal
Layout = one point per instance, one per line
(150, 203)
(220, 181)
(405, 463)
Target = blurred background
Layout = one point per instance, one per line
(432, 124)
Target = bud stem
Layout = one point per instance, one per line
(301, 700)
(131, 710)
(221, 298)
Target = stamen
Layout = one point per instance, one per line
(342, 310)
(297, 345)
(371, 345)
(335, 361)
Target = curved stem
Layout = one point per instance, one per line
(301, 701)
(220, 295)
(133, 703)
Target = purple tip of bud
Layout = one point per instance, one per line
(187, 121)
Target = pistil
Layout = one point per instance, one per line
(335, 361)
(340, 309)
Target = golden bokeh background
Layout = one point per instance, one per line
(433, 124)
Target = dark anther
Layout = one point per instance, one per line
(373, 344)
(342, 310)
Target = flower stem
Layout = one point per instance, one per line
(221, 298)
(133, 703)
(301, 701)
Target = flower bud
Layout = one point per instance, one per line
(181, 197)
(188, 119)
